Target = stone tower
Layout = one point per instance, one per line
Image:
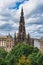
(21, 35)
(22, 32)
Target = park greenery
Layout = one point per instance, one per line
(21, 54)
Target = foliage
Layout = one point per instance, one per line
(33, 58)
(40, 59)
(24, 60)
(2, 62)
(21, 54)
(19, 50)
(12, 61)
(3, 53)
(36, 50)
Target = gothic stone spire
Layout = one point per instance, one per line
(22, 32)
(22, 12)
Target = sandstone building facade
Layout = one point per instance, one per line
(6, 42)
(41, 44)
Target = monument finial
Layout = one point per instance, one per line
(22, 12)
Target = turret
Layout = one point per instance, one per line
(28, 39)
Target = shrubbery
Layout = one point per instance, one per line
(21, 54)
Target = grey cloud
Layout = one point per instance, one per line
(33, 14)
(8, 27)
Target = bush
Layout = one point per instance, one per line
(3, 53)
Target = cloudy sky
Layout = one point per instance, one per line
(10, 16)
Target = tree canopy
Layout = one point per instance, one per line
(21, 54)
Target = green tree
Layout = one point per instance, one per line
(12, 61)
(19, 50)
(40, 59)
(3, 53)
(35, 50)
(2, 62)
(24, 60)
(33, 59)
(31, 53)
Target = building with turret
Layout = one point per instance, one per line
(6, 42)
